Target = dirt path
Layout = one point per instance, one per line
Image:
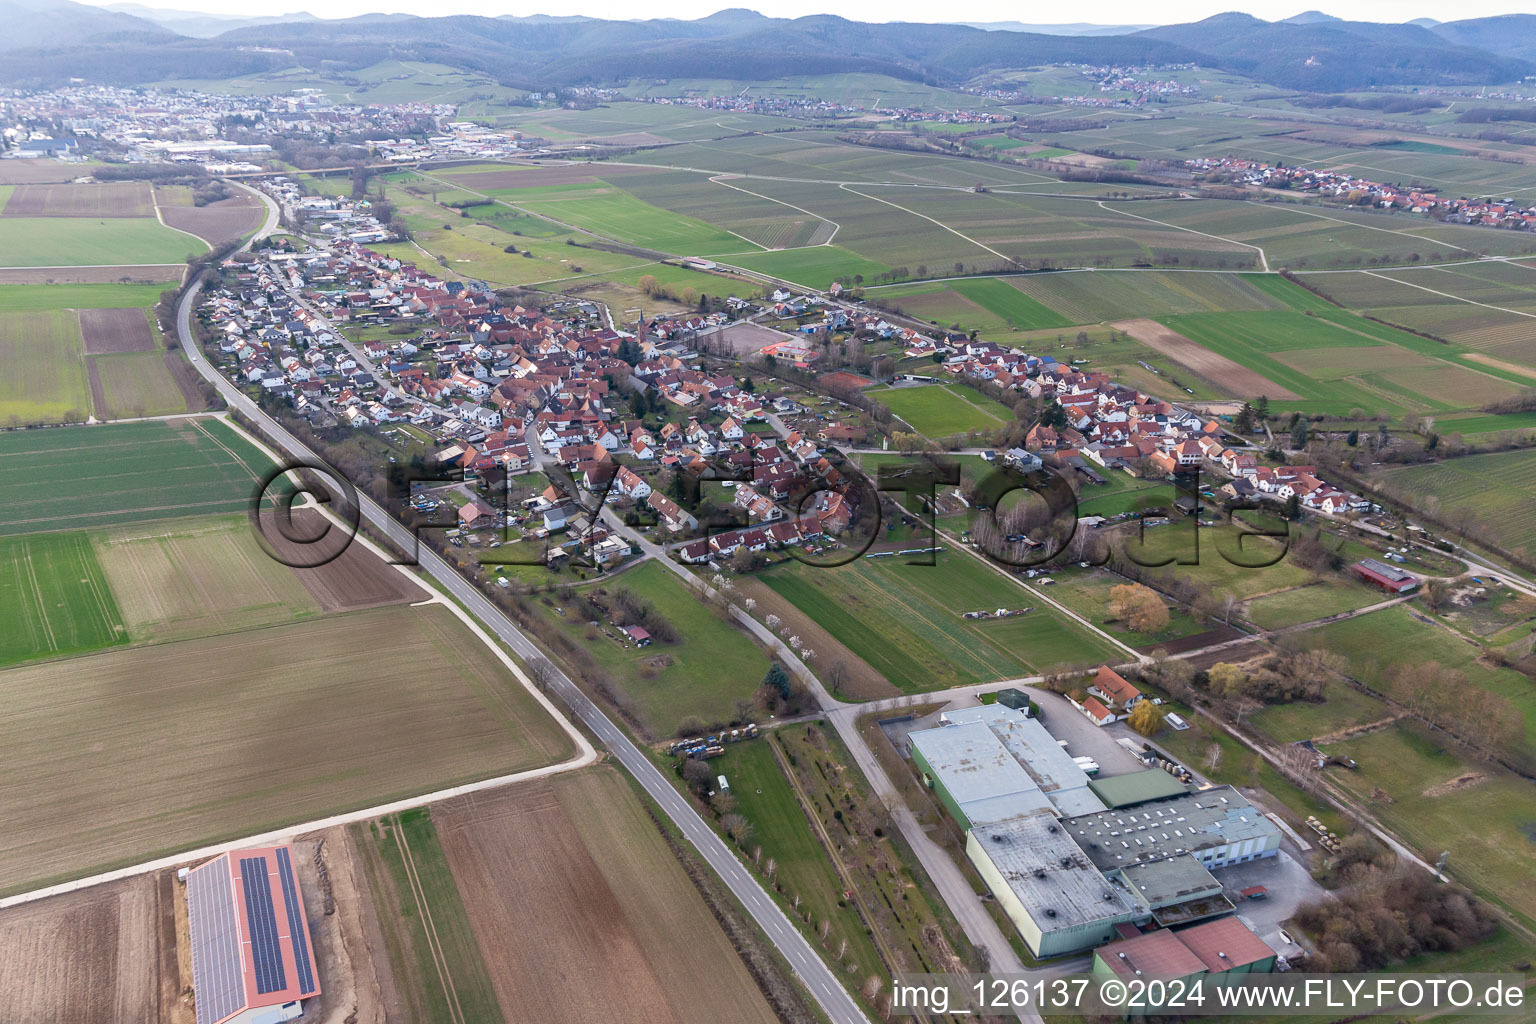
(1218, 369)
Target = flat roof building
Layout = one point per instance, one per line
(251, 957)
(993, 762)
(1136, 787)
(1059, 777)
(974, 775)
(1218, 826)
(1052, 893)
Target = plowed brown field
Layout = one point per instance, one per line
(581, 912)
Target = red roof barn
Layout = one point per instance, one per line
(251, 957)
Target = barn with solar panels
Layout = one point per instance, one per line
(251, 958)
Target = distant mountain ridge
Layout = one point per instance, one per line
(1313, 51)
(27, 24)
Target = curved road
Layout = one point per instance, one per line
(818, 979)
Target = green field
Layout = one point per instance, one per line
(607, 210)
(410, 874)
(815, 267)
(38, 298)
(780, 827)
(1485, 825)
(1379, 642)
(1082, 297)
(77, 477)
(44, 380)
(85, 242)
(1493, 490)
(906, 620)
(982, 303)
(943, 410)
(1338, 363)
(1218, 561)
(54, 598)
(1308, 603)
(712, 667)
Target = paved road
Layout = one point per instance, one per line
(822, 984)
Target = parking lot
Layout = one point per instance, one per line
(1289, 885)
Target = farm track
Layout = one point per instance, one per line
(435, 946)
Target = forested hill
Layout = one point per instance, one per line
(546, 52)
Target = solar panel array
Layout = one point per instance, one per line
(216, 972)
(296, 929)
(261, 918)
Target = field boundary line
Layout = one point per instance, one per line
(1448, 295)
(155, 202)
(585, 754)
(1263, 259)
(1425, 239)
(836, 227)
(958, 234)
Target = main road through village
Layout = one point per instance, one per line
(818, 979)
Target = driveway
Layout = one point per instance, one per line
(1084, 739)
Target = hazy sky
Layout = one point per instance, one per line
(1104, 12)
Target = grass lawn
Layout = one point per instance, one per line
(123, 472)
(1086, 591)
(45, 378)
(85, 242)
(1343, 707)
(1487, 824)
(1123, 493)
(1309, 603)
(704, 674)
(906, 620)
(1212, 563)
(940, 410)
(54, 598)
(1381, 641)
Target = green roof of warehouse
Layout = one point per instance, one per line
(1135, 788)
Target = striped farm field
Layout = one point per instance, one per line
(132, 753)
(183, 578)
(1496, 488)
(1085, 297)
(54, 598)
(83, 477)
(906, 621)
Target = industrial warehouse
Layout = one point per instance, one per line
(1078, 862)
